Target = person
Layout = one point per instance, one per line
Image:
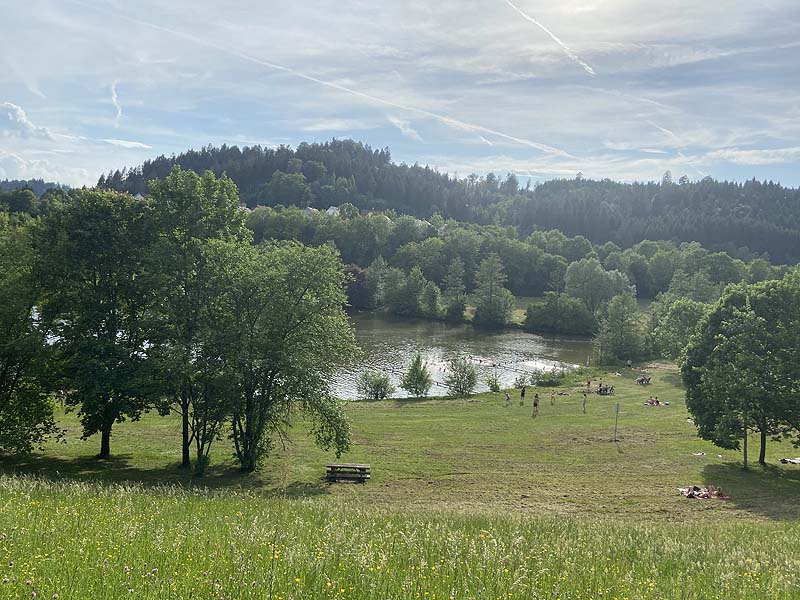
(508, 399)
(584, 402)
(522, 396)
(630, 364)
(552, 397)
(588, 385)
(535, 404)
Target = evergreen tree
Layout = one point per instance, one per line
(417, 380)
(454, 290)
(493, 302)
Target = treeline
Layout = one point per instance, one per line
(742, 219)
(24, 200)
(122, 305)
(435, 268)
(37, 186)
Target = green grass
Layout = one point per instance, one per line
(469, 499)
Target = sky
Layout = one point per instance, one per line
(619, 89)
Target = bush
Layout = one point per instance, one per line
(547, 377)
(373, 385)
(493, 381)
(462, 377)
(521, 381)
(417, 381)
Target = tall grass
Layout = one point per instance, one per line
(82, 540)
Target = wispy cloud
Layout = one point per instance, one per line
(336, 125)
(574, 57)
(442, 118)
(18, 123)
(405, 128)
(758, 156)
(126, 144)
(115, 102)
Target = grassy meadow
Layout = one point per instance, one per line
(469, 498)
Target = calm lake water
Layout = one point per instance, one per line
(389, 344)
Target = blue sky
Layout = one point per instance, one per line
(623, 89)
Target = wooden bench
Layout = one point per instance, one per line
(347, 472)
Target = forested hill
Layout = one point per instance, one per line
(735, 217)
(37, 186)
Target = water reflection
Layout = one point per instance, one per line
(389, 345)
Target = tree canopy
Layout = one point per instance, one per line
(741, 367)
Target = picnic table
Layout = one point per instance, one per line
(347, 472)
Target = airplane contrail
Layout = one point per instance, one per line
(564, 47)
(115, 102)
(450, 121)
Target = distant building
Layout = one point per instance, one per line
(333, 211)
(138, 197)
(308, 211)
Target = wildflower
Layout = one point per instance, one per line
(55, 596)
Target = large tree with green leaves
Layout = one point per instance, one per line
(620, 335)
(675, 324)
(588, 280)
(741, 367)
(26, 412)
(92, 270)
(189, 211)
(560, 313)
(493, 302)
(288, 335)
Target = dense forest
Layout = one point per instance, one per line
(742, 219)
(37, 186)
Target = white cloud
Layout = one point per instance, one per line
(340, 125)
(115, 102)
(13, 166)
(405, 128)
(126, 144)
(18, 123)
(763, 156)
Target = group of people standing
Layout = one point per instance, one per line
(535, 412)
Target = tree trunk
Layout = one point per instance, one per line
(186, 459)
(745, 448)
(105, 443)
(762, 453)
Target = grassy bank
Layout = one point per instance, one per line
(88, 541)
(469, 498)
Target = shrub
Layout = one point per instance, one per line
(417, 380)
(462, 377)
(547, 377)
(493, 381)
(373, 385)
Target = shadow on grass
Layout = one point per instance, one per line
(118, 469)
(673, 379)
(770, 491)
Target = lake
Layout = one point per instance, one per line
(389, 344)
